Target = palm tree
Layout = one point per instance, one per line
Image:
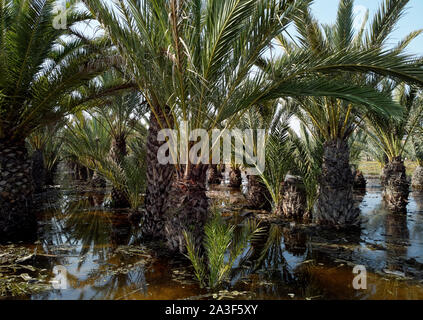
(182, 55)
(235, 176)
(45, 145)
(357, 145)
(390, 137)
(335, 120)
(119, 115)
(41, 69)
(300, 193)
(265, 188)
(215, 174)
(86, 141)
(417, 179)
(193, 62)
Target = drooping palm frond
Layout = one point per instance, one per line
(42, 65)
(363, 60)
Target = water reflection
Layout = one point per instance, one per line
(286, 261)
(397, 240)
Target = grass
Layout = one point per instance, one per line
(374, 168)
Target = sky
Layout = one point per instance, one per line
(325, 12)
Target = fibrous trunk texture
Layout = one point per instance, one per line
(359, 180)
(117, 154)
(258, 195)
(186, 210)
(235, 177)
(335, 203)
(215, 175)
(17, 220)
(38, 171)
(396, 187)
(293, 199)
(417, 179)
(51, 175)
(159, 181)
(82, 172)
(97, 181)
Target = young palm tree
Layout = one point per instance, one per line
(357, 144)
(306, 164)
(417, 179)
(86, 141)
(45, 146)
(264, 188)
(335, 120)
(41, 69)
(119, 115)
(391, 137)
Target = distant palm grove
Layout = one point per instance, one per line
(91, 97)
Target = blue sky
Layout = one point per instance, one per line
(325, 12)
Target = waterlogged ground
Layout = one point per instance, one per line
(104, 256)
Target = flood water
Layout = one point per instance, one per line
(105, 257)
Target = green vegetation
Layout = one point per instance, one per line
(223, 247)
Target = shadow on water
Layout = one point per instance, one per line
(105, 257)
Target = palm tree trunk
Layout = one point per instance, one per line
(396, 187)
(359, 180)
(97, 181)
(335, 203)
(17, 220)
(51, 174)
(186, 209)
(293, 199)
(215, 175)
(235, 177)
(159, 180)
(38, 171)
(82, 172)
(417, 179)
(258, 195)
(118, 153)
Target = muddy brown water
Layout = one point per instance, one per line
(105, 258)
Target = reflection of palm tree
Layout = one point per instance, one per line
(120, 231)
(418, 198)
(120, 286)
(271, 256)
(92, 229)
(96, 199)
(397, 239)
(295, 241)
(417, 230)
